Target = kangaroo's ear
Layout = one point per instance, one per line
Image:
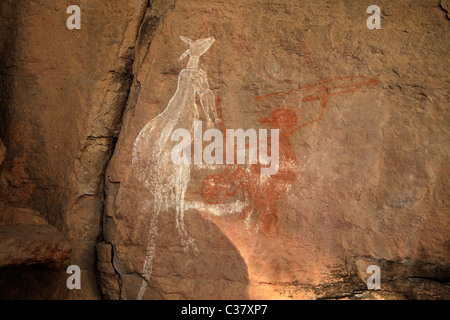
(184, 54)
(187, 40)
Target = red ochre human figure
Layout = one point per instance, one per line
(264, 192)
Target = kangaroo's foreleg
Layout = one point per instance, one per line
(207, 103)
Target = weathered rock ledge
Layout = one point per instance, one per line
(27, 238)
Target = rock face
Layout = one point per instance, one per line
(363, 146)
(2, 152)
(62, 94)
(29, 244)
(27, 238)
(363, 184)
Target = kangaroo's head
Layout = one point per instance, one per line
(197, 47)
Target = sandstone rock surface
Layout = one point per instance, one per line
(365, 183)
(2, 152)
(27, 238)
(28, 244)
(62, 93)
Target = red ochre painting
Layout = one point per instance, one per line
(263, 194)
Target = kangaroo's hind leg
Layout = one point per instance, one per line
(180, 190)
(150, 246)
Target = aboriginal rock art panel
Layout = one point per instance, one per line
(239, 190)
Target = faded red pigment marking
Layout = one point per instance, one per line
(309, 57)
(264, 194)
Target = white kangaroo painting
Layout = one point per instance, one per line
(151, 158)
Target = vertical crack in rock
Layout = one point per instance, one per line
(109, 101)
(119, 278)
(444, 5)
(127, 92)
